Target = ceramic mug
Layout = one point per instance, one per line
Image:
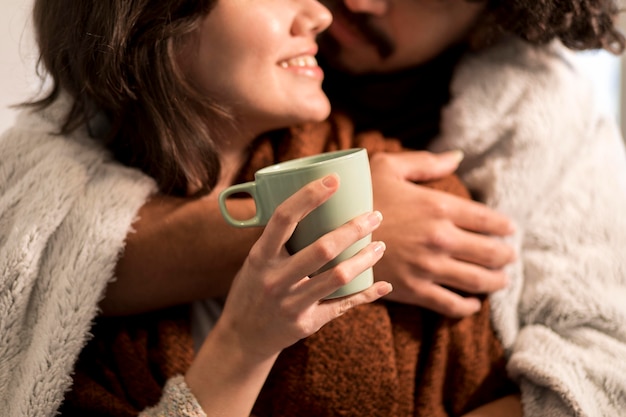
(274, 184)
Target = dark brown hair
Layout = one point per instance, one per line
(118, 58)
(578, 24)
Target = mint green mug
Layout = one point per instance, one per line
(274, 184)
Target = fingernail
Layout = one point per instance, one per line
(379, 247)
(458, 155)
(330, 181)
(375, 218)
(512, 227)
(476, 304)
(385, 289)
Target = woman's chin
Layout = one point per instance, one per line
(314, 110)
(318, 112)
(308, 114)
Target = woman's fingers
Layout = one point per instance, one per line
(287, 294)
(327, 282)
(331, 309)
(328, 310)
(310, 259)
(285, 218)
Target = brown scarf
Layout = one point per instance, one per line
(382, 359)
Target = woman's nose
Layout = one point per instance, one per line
(315, 18)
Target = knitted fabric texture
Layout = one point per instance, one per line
(177, 401)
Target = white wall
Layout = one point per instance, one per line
(17, 57)
(622, 25)
(603, 68)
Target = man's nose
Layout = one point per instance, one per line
(373, 7)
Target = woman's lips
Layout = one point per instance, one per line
(303, 65)
(299, 61)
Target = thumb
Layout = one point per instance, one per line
(426, 166)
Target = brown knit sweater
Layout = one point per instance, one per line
(382, 359)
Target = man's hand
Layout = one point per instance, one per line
(437, 243)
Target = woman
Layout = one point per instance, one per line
(147, 96)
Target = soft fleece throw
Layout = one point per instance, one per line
(536, 146)
(65, 210)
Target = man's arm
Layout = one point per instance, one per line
(181, 250)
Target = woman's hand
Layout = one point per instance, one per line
(273, 303)
(436, 240)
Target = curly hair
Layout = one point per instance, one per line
(119, 59)
(578, 24)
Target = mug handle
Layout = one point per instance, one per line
(247, 188)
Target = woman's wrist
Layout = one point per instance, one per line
(227, 339)
(227, 374)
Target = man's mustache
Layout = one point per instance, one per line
(362, 23)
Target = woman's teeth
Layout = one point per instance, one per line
(301, 61)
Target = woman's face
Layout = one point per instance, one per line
(257, 56)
